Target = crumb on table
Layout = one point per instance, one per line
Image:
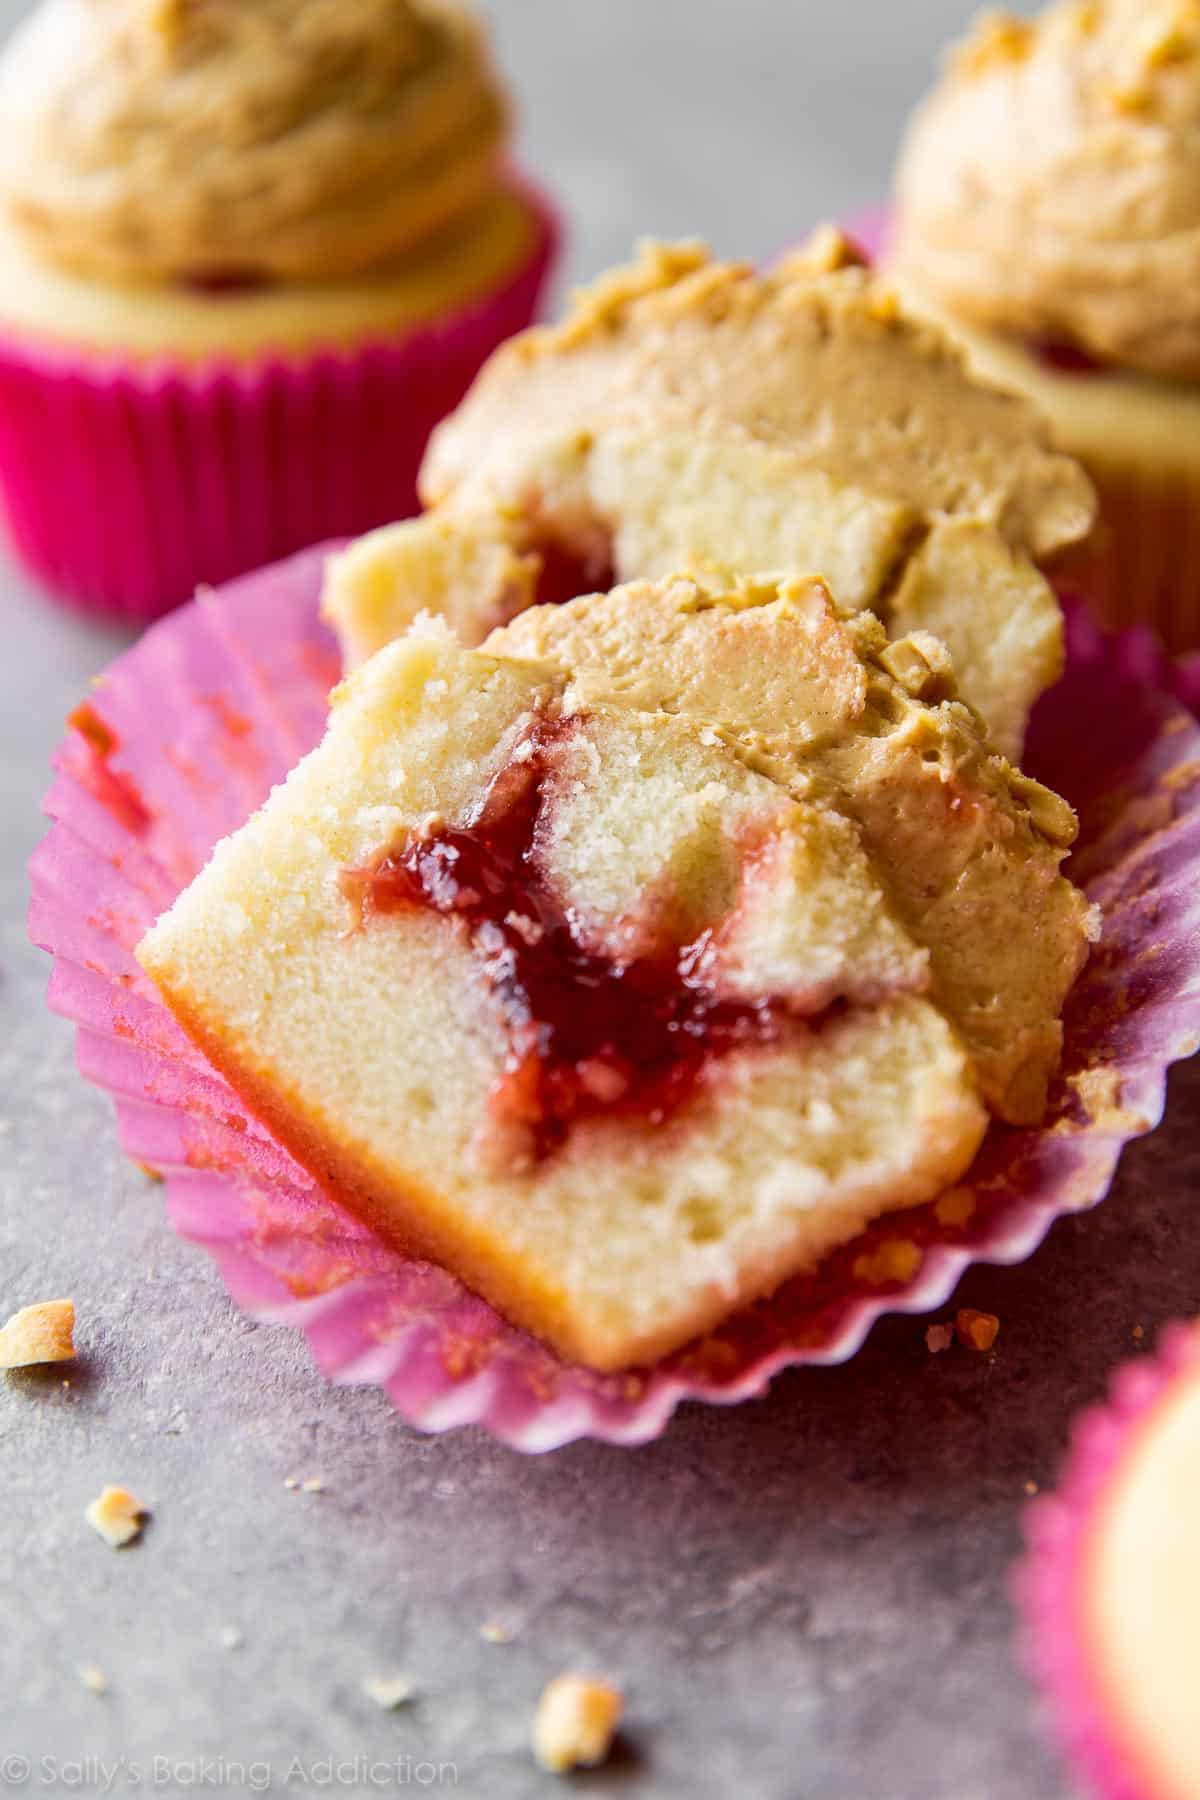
(389, 1691)
(493, 1632)
(43, 1333)
(117, 1515)
(939, 1338)
(576, 1720)
(93, 1679)
(977, 1330)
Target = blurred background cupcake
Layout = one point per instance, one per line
(1048, 210)
(1110, 1586)
(250, 252)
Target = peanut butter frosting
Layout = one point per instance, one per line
(157, 140)
(814, 364)
(1050, 186)
(692, 415)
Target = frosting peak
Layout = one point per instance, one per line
(152, 140)
(1051, 183)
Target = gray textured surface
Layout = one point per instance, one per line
(804, 1597)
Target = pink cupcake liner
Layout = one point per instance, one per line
(184, 737)
(125, 486)
(1047, 1584)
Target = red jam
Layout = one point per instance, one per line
(1064, 357)
(587, 1035)
(226, 281)
(565, 575)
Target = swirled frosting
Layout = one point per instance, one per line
(159, 140)
(1051, 183)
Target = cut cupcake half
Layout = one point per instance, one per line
(694, 415)
(617, 1011)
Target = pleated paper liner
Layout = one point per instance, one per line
(1049, 1588)
(185, 735)
(125, 483)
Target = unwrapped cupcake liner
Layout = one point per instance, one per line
(184, 737)
(126, 485)
(1048, 1584)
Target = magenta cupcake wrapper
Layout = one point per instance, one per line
(1048, 1582)
(186, 734)
(125, 486)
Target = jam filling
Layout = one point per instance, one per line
(225, 281)
(565, 575)
(1064, 357)
(587, 1035)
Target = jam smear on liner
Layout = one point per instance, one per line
(587, 1034)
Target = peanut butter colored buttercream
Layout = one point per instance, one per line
(695, 415)
(815, 361)
(1051, 183)
(157, 140)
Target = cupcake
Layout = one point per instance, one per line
(689, 414)
(1111, 1586)
(190, 731)
(1048, 213)
(250, 252)
(709, 912)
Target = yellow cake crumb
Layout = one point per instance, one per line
(897, 1260)
(93, 1679)
(576, 1720)
(388, 1691)
(43, 1333)
(939, 1338)
(313, 1485)
(493, 1632)
(977, 1330)
(955, 1207)
(117, 1515)
(998, 37)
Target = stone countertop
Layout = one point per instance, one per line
(803, 1598)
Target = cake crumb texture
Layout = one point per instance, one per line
(117, 1515)
(42, 1333)
(575, 1723)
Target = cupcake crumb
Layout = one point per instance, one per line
(42, 1333)
(493, 1632)
(389, 1691)
(1139, 1332)
(1031, 1488)
(312, 1485)
(956, 1207)
(896, 1260)
(230, 1637)
(290, 1482)
(117, 1515)
(93, 1679)
(576, 1720)
(939, 1338)
(977, 1330)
